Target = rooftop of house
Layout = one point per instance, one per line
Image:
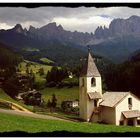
(111, 99)
(131, 113)
(94, 95)
(89, 68)
(29, 92)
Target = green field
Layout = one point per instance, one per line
(31, 49)
(35, 68)
(61, 94)
(21, 123)
(46, 60)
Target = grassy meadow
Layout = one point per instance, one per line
(61, 94)
(28, 124)
(35, 68)
(44, 59)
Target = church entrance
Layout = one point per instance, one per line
(130, 121)
(131, 117)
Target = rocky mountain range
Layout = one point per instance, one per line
(117, 43)
(53, 32)
(120, 27)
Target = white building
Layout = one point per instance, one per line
(119, 108)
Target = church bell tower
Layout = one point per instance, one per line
(90, 89)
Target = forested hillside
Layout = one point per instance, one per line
(8, 58)
(125, 76)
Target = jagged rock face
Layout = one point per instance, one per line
(18, 28)
(53, 32)
(32, 29)
(120, 27)
(101, 32)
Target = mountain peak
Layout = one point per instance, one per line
(119, 27)
(31, 28)
(60, 27)
(134, 17)
(50, 25)
(51, 28)
(18, 28)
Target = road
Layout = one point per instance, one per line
(34, 115)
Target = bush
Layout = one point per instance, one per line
(70, 82)
(51, 84)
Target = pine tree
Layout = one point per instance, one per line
(31, 71)
(27, 70)
(53, 101)
(41, 71)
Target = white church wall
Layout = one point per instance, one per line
(83, 98)
(108, 114)
(123, 106)
(86, 105)
(90, 108)
(95, 118)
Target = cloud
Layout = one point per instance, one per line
(83, 24)
(5, 26)
(84, 19)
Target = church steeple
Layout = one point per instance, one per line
(90, 89)
(89, 68)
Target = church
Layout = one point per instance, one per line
(119, 108)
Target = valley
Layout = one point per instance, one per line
(40, 70)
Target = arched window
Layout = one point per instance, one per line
(93, 82)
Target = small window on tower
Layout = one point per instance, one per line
(93, 82)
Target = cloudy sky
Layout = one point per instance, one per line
(82, 19)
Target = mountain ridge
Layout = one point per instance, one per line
(111, 42)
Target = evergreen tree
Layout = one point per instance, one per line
(55, 76)
(27, 70)
(48, 77)
(53, 101)
(49, 104)
(31, 71)
(41, 71)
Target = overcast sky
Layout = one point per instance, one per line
(82, 19)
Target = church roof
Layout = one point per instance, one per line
(111, 99)
(89, 68)
(94, 95)
(131, 114)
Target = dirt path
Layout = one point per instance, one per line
(16, 106)
(21, 113)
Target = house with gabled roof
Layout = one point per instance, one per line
(119, 108)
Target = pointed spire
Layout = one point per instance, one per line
(89, 68)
